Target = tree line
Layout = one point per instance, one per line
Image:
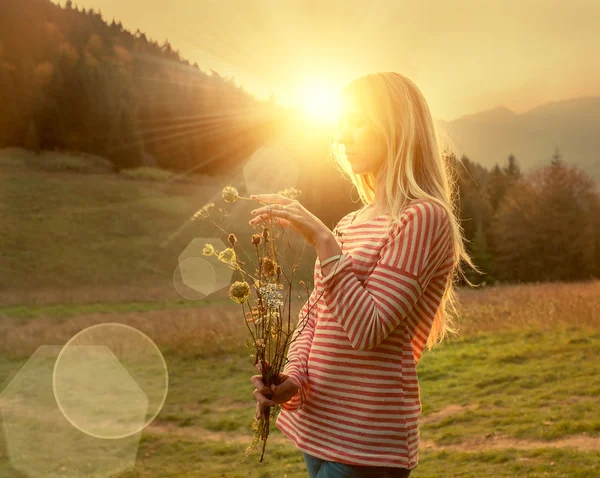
(70, 81)
(535, 227)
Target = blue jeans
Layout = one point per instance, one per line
(318, 468)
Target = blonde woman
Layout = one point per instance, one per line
(383, 288)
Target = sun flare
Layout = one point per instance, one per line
(321, 101)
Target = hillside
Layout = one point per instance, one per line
(66, 234)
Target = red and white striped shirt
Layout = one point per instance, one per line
(356, 354)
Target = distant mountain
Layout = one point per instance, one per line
(573, 126)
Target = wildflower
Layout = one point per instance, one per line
(229, 194)
(268, 266)
(208, 250)
(262, 311)
(260, 343)
(291, 193)
(254, 316)
(232, 239)
(239, 291)
(227, 255)
(202, 213)
(256, 239)
(271, 296)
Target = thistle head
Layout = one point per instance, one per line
(256, 239)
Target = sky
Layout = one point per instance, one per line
(466, 56)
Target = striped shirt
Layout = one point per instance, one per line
(355, 355)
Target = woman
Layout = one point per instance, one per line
(383, 281)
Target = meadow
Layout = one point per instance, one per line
(516, 394)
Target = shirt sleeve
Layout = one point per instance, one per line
(296, 368)
(369, 312)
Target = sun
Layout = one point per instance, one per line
(321, 101)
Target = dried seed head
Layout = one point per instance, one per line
(239, 291)
(208, 250)
(271, 296)
(232, 239)
(227, 255)
(291, 193)
(202, 213)
(256, 239)
(268, 266)
(229, 194)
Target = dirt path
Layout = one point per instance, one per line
(499, 442)
(579, 442)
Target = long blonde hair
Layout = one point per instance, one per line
(414, 169)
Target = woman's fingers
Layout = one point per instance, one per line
(260, 398)
(261, 392)
(259, 385)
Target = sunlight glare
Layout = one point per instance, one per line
(321, 101)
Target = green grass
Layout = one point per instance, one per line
(522, 386)
(66, 311)
(67, 231)
(96, 241)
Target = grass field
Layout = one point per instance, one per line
(516, 395)
(94, 238)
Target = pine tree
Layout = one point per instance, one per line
(556, 157)
(497, 185)
(512, 170)
(481, 257)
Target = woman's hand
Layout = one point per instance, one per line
(275, 395)
(290, 213)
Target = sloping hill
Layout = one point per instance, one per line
(67, 231)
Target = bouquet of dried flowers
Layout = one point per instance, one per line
(259, 294)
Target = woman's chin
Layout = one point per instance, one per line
(357, 169)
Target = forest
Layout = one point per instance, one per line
(72, 81)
